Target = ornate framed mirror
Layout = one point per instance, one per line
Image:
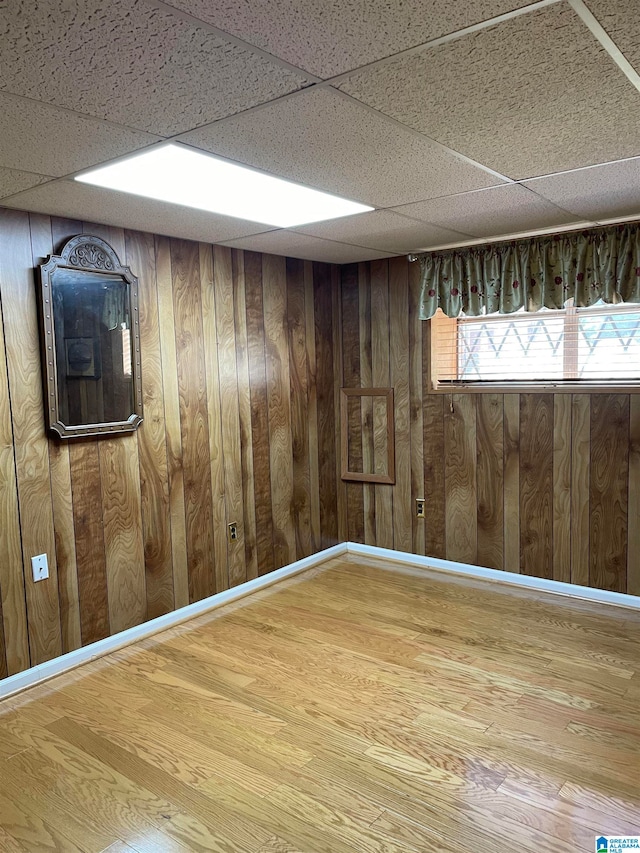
(90, 341)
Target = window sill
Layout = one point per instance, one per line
(566, 387)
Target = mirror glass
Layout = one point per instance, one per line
(90, 341)
(92, 324)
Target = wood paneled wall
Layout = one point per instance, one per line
(239, 426)
(543, 484)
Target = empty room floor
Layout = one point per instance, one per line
(356, 707)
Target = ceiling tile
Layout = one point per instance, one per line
(38, 138)
(324, 140)
(80, 201)
(329, 38)
(621, 20)
(13, 181)
(488, 213)
(383, 230)
(598, 193)
(534, 95)
(295, 245)
(131, 63)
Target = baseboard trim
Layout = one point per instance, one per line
(44, 671)
(602, 596)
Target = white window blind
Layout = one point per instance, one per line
(585, 345)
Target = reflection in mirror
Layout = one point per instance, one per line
(90, 341)
(93, 347)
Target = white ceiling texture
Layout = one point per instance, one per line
(459, 122)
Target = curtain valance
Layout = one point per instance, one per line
(602, 263)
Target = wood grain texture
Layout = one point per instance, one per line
(416, 333)
(511, 474)
(31, 447)
(139, 524)
(536, 484)
(633, 546)
(490, 480)
(580, 477)
(259, 418)
(366, 380)
(244, 413)
(562, 487)
(399, 380)
(460, 478)
(90, 545)
(467, 732)
(328, 473)
(312, 402)
(175, 472)
(380, 373)
(152, 443)
(609, 494)
(338, 373)
(15, 641)
(223, 283)
(349, 306)
(299, 397)
(192, 388)
(279, 407)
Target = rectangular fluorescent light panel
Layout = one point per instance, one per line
(182, 175)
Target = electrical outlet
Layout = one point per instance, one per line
(420, 513)
(40, 567)
(233, 532)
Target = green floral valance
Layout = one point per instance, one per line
(603, 263)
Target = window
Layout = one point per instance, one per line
(576, 347)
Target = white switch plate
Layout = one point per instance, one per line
(40, 567)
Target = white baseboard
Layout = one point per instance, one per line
(44, 671)
(602, 596)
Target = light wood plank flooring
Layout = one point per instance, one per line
(350, 709)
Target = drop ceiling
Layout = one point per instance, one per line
(459, 122)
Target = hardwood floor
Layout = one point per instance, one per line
(352, 708)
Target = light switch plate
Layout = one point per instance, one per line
(40, 567)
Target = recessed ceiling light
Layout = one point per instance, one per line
(182, 175)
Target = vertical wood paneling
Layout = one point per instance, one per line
(185, 266)
(633, 548)
(122, 504)
(433, 452)
(337, 379)
(366, 380)
(416, 406)
(230, 410)
(608, 492)
(490, 452)
(312, 392)
(580, 477)
(164, 283)
(460, 477)
(299, 397)
(90, 545)
(536, 484)
(328, 475)
(60, 475)
(244, 411)
(259, 419)
(380, 369)
(562, 488)
(349, 292)
(511, 474)
(18, 296)
(399, 379)
(279, 407)
(152, 449)
(15, 640)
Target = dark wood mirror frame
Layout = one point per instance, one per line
(91, 368)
